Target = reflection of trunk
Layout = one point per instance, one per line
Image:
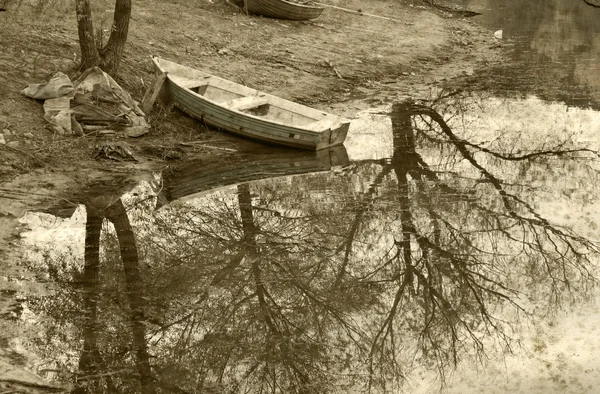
(245, 201)
(349, 242)
(405, 162)
(90, 355)
(129, 255)
(249, 243)
(348, 248)
(276, 343)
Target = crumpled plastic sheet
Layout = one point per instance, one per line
(59, 85)
(94, 103)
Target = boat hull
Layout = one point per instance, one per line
(252, 125)
(283, 9)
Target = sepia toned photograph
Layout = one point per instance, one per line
(300, 196)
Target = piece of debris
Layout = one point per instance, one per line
(59, 85)
(93, 99)
(205, 145)
(330, 64)
(118, 151)
(152, 93)
(498, 34)
(76, 127)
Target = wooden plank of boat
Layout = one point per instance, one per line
(248, 112)
(283, 9)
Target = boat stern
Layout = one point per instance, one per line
(165, 92)
(334, 136)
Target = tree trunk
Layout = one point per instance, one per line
(109, 57)
(85, 27)
(113, 51)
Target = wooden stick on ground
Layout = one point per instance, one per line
(358, 12)
(152, 93)
(334, 69)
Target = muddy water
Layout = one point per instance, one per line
(554, 48)
(445, 230)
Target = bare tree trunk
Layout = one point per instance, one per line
(113, 51)
(85, 27)
(109, 57)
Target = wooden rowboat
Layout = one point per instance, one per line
(283, 9)
(248, 112)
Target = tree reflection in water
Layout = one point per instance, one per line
(291, 286)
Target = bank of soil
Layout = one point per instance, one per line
(372, 53)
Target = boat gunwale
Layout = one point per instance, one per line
(258, 119)
(306, 6)
(285, 9)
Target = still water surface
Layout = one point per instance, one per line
(450, 231)
(554, 48)
(442, 232)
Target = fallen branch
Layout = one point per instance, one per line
(206, 146)
(35, 159)
(152, 93)
(359, 12)
(328, 62)
(335, 70)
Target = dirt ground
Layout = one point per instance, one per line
(371, 53)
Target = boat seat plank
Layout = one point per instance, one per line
(329, 122)
(187, 82)
(244, 103)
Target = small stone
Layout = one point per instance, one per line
(358, 61)
(413, 74)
